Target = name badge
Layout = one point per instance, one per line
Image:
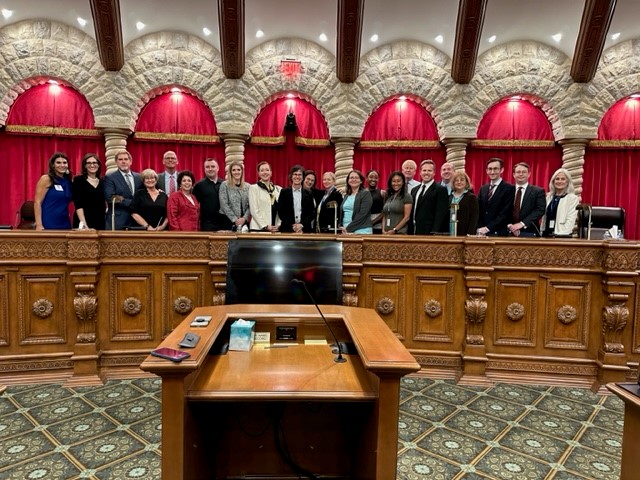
(59, 188)
(552, 223)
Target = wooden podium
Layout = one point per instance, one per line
(630, 394)
(270, 411)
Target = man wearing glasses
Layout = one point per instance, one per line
(496, 202)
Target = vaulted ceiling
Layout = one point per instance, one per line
(462, 29)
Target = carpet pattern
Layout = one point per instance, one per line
(447, 431)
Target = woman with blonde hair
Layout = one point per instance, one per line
(263, 201)
(234, 197)
(149, 204)
(561, 214)
(464, 207)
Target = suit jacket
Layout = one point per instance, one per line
(115, 184)
(531, 209)
(326, 216)
(497, 213)
(361, 211)
(467, 215)
(565, 216)
(287, 215)
(182, 214)
(163, 182)
(430, 212)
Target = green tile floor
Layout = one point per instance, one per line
(446, 432)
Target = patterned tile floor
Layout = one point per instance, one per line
(447, 431)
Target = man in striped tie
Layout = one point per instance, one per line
(496, 202)
(167, 179)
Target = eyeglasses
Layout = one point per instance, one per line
(92, 163)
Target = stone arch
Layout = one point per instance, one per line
(262, 79)
(617, 77)
(407, 67)
(33, 51)
(163, 60)
(526, 68)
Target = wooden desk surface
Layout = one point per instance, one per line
(297, 371)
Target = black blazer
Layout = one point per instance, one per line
(497, 213)
(361, 211)
(286, 214)
(430, 212)
(115, 184)
(467, 215)
(325, 215)
(532, 208)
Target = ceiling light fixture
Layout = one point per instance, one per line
(323, 37)
(6, 13)
(557, 37)
(374, 37)
(82, 21)
(615, 36)
(140, 25)
(491, 39)
(259, 34)
(439, 39)
(206, 31)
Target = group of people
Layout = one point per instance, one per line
(174, 200)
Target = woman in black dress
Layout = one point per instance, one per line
(88, 195)
(149, 205)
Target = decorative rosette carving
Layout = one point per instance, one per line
(183, 305)
(132, 306)
(567, 314)
(515, 311)
(42, 308)
(385, 306)
(432, 308)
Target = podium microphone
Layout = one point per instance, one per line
(339, 358)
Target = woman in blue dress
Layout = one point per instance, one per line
(53, 195)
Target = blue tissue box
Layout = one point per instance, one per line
(243, 334)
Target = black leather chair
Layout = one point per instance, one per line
(602, 219)
(26, 217)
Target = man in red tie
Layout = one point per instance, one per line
(528, 206)
(167, 179)
(496, 200)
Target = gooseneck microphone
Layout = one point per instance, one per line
(339, 358)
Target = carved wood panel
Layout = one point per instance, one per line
(433, 309)
(567, 314)
(515, 312)
(131, 315)
(4, 309)
(181, 293)
(386, 294)
(41, 309)
(635, 341)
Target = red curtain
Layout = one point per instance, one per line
(611, 178)
(622, 121)
(44, 119)
(388, 160)
(312, 130)
(285, 156)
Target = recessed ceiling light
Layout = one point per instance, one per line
(206, 31)
(290, 95)
(374, 37)
(6, 13)
(439, 39)
(491, 39)
(140, 25)
(52, 82)
(402, 98)
(259, 34)
(557, 37)
(81, 21)
(323, 37)
(615, 36)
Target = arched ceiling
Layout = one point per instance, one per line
(465, 26)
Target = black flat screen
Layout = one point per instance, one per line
(261, 271)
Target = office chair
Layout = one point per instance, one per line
(602, 219)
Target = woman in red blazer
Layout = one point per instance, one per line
(183, 210)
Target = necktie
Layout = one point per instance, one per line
(424, 185)
(172, 184)
(516, 206)
(130, 182)
(491, 189)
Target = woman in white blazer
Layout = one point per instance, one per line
(561, 214)
(263, 202)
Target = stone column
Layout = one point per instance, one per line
(233, 147)
(344, 159)
(456, 151)
(573, 160)
(115, 139)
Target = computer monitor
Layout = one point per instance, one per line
(262, 270)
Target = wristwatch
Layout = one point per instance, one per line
(394, 230)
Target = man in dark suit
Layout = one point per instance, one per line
(295, 204)
(430, 203)
(528, 206)
(167, 179)
(119, 187)
(496, 202)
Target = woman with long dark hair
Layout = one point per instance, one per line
(88, 195)
(396, 212)
(53, 195)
